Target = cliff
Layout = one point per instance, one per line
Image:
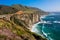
(28, 19)
(16, 21)
(29, 15)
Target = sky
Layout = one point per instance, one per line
(46, 5)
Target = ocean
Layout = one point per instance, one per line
(49, 26)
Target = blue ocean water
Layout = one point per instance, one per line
(48, 27)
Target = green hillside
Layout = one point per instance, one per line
(11, 31)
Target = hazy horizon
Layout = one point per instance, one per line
(46, 5)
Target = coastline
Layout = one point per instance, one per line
(35, 24)
(33, 27)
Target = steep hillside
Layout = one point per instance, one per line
(10, 31)
(26, 8)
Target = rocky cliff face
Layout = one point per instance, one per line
(29, 19)
(30, 15)
(16, 21)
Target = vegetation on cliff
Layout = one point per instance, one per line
(17, 7)
(16, 26)
(11, 31)
(7, 10)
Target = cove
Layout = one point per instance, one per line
(49, 27)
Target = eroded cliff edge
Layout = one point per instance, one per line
(28, 19)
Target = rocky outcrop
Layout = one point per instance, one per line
(28, 19)
(29, 16)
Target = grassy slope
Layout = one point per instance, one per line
(9, 30)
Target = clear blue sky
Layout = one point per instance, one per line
(46, 5)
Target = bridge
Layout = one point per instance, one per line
(7, 16)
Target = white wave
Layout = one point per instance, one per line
(43, 16)
(49, 22)
(45, 22)
(33, 28)
(44, 33)
(50, 38)
(56, 21)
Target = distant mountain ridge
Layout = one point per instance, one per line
(15, 8)
(7, 9)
